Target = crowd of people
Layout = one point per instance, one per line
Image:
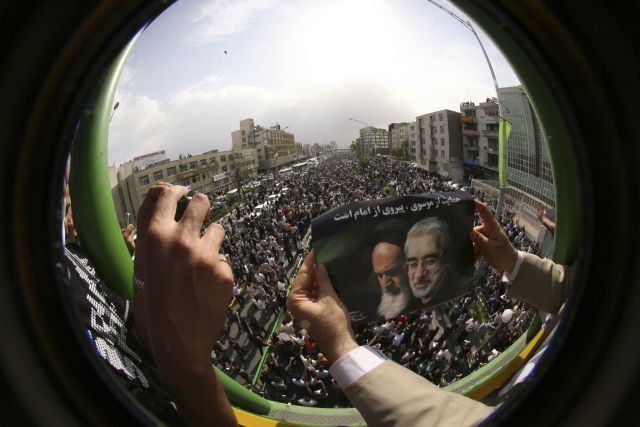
(443, 343)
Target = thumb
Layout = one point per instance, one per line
(325, 288)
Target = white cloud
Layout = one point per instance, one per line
(331, 61)
(202, 117)
(219, 19)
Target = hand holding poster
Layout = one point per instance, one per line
(391, 256)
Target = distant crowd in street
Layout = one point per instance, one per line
(443, 343)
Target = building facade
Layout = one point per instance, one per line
(273, 145)
(404, 135)
(374, 140)
(529, 167)
(439, 144)
(208, 173)
(480, 138)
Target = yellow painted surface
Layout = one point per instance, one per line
(508, 371)
(247, 419)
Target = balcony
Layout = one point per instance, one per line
(490, 120)
(470, 147)
(490, 133)
(470, 132)
(468, 119)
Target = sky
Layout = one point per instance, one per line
(307, 65)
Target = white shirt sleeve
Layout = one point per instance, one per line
(511, 275)
(355, 364)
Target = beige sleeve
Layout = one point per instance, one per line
(540, 282)
(391, 395)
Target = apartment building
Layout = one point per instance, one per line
(209, 173)
(480, 138)
(374, 140)
(274, 146)
(404, 133)
(439, 144)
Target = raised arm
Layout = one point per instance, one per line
(314, 303)
(180, 311)
(539, 282)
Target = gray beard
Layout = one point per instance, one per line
(392, 305)
(434, 288)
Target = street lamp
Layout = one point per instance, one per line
(115, 107)
(468, 26)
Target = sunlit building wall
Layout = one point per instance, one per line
(207, 173)
(274, 146)
(439, 145)
(529, 168)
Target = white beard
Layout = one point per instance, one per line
(392, 305)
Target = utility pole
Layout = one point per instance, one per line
(469, 27)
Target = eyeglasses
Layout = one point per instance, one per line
(425, 262)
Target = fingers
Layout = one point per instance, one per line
(488, 220)
(167, 201)
(477, 237)
(303, 285)
(194, 215)
(213, 237)
(147, 207)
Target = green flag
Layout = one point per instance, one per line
(504, 129)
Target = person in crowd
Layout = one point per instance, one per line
(243, 259)
(541, 213)
(379, 389)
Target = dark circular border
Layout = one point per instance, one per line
(585, 53)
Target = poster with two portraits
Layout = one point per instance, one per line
(391, 256)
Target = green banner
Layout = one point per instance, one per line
(504, 130)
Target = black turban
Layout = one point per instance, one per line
(393, 231)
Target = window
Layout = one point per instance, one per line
(183, 168)
(212, 160)
(195, 178)
(223, 158)
(157, 175)
(441, 141)
(441, 129)
(224, 168)
(193, 165)
(171, 171)
(203, 162)
(242, 133)
(442, 154)
(144, 180)
(440, 117)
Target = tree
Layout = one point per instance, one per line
(397, 152)
(405, 149)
